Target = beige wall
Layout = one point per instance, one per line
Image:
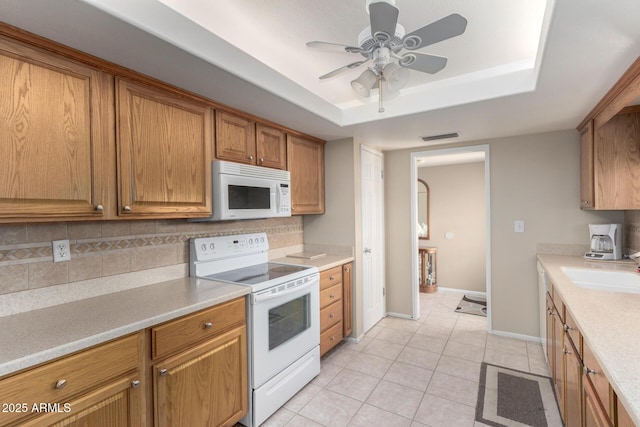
(457, 205)
(107, 248)
(534, 178)
(340, 224)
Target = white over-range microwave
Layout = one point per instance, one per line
(248, 192)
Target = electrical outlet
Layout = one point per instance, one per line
(61, 250)
(518, 226)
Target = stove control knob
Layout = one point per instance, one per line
(251, 241)
(212, 246)
(262, 240)
(204, 247)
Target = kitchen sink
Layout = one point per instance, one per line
(604, 280)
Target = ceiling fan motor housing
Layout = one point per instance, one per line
(366, 41)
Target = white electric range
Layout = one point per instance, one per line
(283, 316)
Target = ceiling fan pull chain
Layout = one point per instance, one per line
(380, 107)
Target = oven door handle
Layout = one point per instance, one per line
(269, 296)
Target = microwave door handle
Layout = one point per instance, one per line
(269, 296)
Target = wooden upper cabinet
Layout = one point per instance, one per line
(235, 138)
(617, 162)
(587, 200)
(164, 152)
(271, 147)
(305, 162)
(54, 136)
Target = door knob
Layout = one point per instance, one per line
(367, 250)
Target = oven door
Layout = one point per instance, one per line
(285, 325)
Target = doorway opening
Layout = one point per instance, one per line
(454, 159)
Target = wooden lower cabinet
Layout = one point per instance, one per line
(100, 386)
(205, 385)
(200, 368)
(585, 397)
(347, 299)
(117, 404)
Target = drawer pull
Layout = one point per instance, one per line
(99, 208)
(567, 328)
(60, 384)
(208, 325)
(164, 372)
(332, 338)
(135, 383)
(565, 351)
(332, 278)
(331, 316)
(332, 296)
(589, 371)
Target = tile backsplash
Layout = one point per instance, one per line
(102, 249)
(631, 231)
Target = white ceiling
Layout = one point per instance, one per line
(521, 67)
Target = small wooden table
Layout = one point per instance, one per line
(428, 270)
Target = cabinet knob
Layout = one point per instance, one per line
(332, 338)
(332, 296)
(589, 371)
(293, 208)
(164, 372)
(99, 208)
(331, 316)
(208, 325)
(250, 157)
(135, 383)
(127, 208)
(567, 328)
(261, 160)
(60, 384)
(332, 278)
(565, 351)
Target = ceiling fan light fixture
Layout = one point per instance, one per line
(364, 83)
(395, 76)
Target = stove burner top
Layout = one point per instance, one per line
(256, 274)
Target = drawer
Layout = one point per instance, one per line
(330, 338)
(330, 295)
(58, 381)
(572, 330)
(177, 334)
(330, 315)
(330, 277)
(598, 379)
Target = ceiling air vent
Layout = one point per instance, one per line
(439, 137)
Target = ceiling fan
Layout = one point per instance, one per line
(381, 44)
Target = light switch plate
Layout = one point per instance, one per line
(518, 226)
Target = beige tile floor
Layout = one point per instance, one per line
(409, 373)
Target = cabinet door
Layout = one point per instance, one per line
(572, 386)
(117, 404)
(558, 373)
(594, 415)
(624, 419)
(164, 146)
(204, 386)
(347, 295)
(271, 147)
(53, 136)
(617, 160)
(550, 341)
(305, 161)
(586, 167)
(235, 138)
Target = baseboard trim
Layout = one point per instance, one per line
(462, 291)
(518, 336)
(402, 316)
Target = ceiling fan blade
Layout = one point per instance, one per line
(334, 47)
(343, 68)
(384, 17)
(442, 29)
(422, 62)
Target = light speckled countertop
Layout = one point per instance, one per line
(323, 263)
(609, 323)
(38, 336)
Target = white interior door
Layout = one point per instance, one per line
(372, 185)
